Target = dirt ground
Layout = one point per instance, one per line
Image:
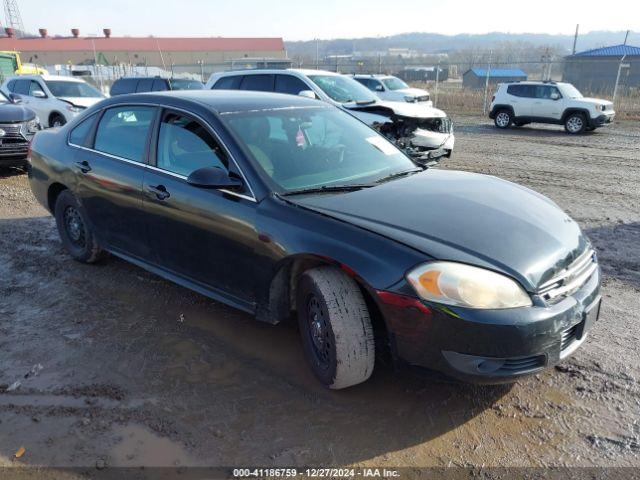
(118, 367)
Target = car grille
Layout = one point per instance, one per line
(570, 279)
(521, 365)
(12, 130)
(569, 336)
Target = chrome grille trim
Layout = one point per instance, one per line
(572, 278)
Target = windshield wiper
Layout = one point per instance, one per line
(365, 102)
(399, 174)
(329, 188)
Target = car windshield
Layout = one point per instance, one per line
(62, 88)
(343, 89)
(393, 83)
(316, 147)
(186, 84)
(570, 91)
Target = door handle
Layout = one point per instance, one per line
(160, 192)
(84, 166)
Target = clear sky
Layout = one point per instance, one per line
(304, 19)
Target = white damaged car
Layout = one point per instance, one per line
(423, 132)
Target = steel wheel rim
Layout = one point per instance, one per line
(502, 119)
(574, 124)
(74, 227)
(318, 332)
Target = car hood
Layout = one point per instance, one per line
(592, 101)
(401, 109)
(464, 217)
(413, 92)
(11, 113)
(85, 102)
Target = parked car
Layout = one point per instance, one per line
(18, 125)
(558, 103)
(423, 132)
(152, 84)
(55, 99)
(282, 205)
(393, 89)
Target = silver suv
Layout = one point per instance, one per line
(558, 103)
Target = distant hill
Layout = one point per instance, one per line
(437, 43)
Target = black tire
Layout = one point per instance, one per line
(335, 327)
(56, 120)
(75, 231)
(575, 123)
(503, 119)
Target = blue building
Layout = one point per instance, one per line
(596, 70)
(477, 77)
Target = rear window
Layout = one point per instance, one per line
(185, 84)
(78, 135)
(232, 82)
(159, 85)
(124, 85)
(260, 83)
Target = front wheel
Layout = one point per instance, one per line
(335, 326)
(503, 119)
(56, 120)
(575, 123)
(75, 231)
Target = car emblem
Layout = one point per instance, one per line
(2, 133)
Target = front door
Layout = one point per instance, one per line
(547, 103)
(110, 171)
(206, 236)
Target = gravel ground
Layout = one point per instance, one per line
(118, 367)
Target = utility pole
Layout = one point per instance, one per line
(575, 39)
(626, 37)
(615, 88)
(486, 85)
(317, 54)
(435, 100)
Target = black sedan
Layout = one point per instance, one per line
(18, 125)
(283, 206)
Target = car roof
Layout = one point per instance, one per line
(62, 78)
(378, 76)
(227, 101)
(535, 82)
(270, 71)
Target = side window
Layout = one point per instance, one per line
(22, 87)
(125, 85)
(144, 85)
(259, 83)
(78, 135)
(35, 87)
(290, 84)
(123, 131)
(515, 90)
(184, 146)
(159, 85)
(231, 82)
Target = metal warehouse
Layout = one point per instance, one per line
(142, 51)
(477, 77)
(596, 70)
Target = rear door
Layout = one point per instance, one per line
(206, 236)
(289, 84)
(109, 168)
(262, 82)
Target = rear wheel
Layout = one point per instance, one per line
(503, 119)
(575, 123)
(75, 231)
(335, 326)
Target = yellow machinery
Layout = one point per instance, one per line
(11, 64)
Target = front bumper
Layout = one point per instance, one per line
(493, 346)
(604, 119)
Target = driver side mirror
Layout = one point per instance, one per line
(38, 94)
(308, 94)
(379, 88)
(214, 178)
(555, 96)
(15, 98)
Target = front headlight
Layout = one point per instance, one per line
(74, 109)
(409, 99)
(33, 126)
(466, 286)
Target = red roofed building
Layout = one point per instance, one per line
(151, 51)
